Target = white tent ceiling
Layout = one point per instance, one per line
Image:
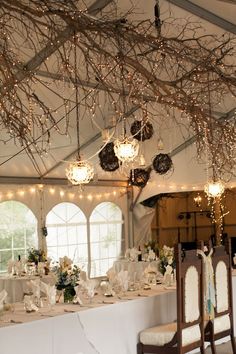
(216, 17)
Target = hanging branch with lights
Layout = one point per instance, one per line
(166, 63)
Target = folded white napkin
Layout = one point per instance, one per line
(151, 256)
(150, 269)
(169, 269)
(83, 275)
(10, 266)
(168, 276)
(29, 304)
(123, 279)
(89, 285)
(49, 291)
(3, 295)
(111, 273)
(35, 287)
(132, 254)
(77, 297)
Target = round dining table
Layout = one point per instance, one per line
(17, 286)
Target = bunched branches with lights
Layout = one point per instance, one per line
(173, 66)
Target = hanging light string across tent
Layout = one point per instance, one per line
(215, 187)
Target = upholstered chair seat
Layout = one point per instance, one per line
(163, 334)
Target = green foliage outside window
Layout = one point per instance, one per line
(18, 233)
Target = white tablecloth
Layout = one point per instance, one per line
(108, 329)
(17, 286)
(134, 267)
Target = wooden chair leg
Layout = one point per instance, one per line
(213, 347)
(139, 348)
(202, 349)
(233, 344)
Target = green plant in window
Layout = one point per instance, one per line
(109, 239)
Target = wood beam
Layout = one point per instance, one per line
(89, 84)
(63, 36)
(58, 181)
(205, 14)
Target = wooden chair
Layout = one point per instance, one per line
(222, 325)
(188, 332)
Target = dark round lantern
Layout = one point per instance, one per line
(162, 163)
(139, 177)
(108, 160)
(141, 130)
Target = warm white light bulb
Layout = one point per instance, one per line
(126, 149)
(80, 172)
(214, 189)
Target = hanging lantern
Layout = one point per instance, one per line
(214, 189)
(79, 172)
(141, 130)
(162, 163)
(126, 149)
(108, 160)
(139, 177)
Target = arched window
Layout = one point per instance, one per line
(105, 237)
(18, 231)
(67, 234)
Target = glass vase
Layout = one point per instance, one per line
(69, 294)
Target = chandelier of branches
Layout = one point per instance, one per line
(172, 67)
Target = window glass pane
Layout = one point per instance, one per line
(105, 237)
(19, 239)
(18, 231)
(5, 256)
(5, 239)
(67, 234)
(52, 240)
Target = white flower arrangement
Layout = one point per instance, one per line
(166, 256)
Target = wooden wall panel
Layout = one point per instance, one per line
(168, 228)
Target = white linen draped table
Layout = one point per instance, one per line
(110, 328)
(17, 286)
(134, 267)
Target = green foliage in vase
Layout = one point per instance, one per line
(35, 256)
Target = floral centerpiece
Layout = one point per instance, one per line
(166, 256)
(67, 278)
(35, 256)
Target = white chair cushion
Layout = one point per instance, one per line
(191, 335)
(221, 323)
(191, 304)
(163, 334)
(222, 303)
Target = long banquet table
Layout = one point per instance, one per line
(107, 326)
